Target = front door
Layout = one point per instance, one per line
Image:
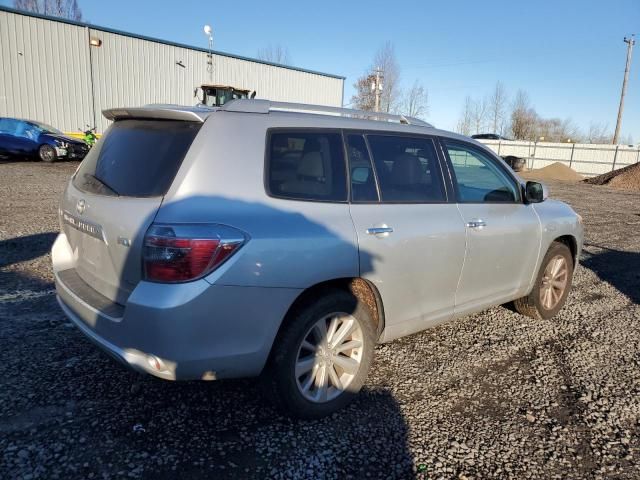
(411, 240)
(503, 233)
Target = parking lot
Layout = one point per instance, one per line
(493, 395)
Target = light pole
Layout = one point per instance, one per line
(208, 31)
(376, 88)
(630, 43)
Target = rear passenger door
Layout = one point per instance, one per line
(411, 238)
(503, 233)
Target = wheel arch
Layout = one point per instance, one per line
(571, 242)
(361, 288)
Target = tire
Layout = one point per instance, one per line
(287, 389)
(47, 153)
(540, 304)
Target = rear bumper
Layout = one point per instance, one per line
(177, 332)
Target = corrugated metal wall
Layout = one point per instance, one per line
(47, 76)
(45, 71)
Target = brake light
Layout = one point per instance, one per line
(184, 252)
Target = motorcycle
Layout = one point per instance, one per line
(89, 136)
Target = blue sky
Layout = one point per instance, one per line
(567, 54)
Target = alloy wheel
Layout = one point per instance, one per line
(329, 357)
(554, 282)
(47, 153)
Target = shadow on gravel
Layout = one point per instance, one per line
(21, 249)
(224, 429)
(619, 268)
(227, 429)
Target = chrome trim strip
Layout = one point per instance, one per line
(92, 229)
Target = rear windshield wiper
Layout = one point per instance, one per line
(92, 178)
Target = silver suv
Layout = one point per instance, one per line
(286, 240)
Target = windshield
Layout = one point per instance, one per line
(44, 128)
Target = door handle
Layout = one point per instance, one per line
(476, 224)
(379, 230)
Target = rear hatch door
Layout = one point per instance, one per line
(114, 197)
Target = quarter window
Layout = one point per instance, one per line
(307, 166)
(478, 176)
(407, 168)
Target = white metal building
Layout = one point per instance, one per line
(65, 73)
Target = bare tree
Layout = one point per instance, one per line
(364, 98)
(497, 106)
(479, 115)
(385, 60)
(56, 8)
(524, 118)
(391, 96)
(626, 140)
(464, 123)
(569, 132)
(416, 101)
(598, 133)
(275, 54)
(556, 130)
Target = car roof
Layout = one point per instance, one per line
(22, 120)
(297, 113)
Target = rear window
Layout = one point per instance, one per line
(307, 166)
(136, 158)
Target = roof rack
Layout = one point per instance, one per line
(266, 106)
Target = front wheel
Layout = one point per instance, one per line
(552, 286)
(321, 358)
(47, 153)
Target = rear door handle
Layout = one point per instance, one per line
(379, 230)
(476, 224)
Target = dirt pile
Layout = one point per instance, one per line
(555, 171)
(626, 178)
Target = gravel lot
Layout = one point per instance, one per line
(494, 395)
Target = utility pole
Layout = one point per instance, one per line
(630, 43)
(376, 87)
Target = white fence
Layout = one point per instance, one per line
(585, 158)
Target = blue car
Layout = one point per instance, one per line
(37, 141)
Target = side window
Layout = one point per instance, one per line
(363, 181)
(28, 130)
(479, 178)
(9, 126)
(408, 169)
(307, 166)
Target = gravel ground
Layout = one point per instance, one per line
(493, 395)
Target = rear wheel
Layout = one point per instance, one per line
(47, 153)
(552, 286)
(322, 356)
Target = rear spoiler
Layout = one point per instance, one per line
(160, 112)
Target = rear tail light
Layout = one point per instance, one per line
(184, 252)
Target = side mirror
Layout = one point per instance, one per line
(535, 192)
(360, 175)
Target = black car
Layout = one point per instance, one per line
(489, 136)
(37, 141)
